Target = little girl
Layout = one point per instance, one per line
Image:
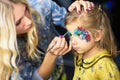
(93, 42)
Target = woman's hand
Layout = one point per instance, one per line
(77, 5)
(59, 46)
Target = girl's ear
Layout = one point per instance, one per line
(98, 35)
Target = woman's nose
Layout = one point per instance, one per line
(27, 21)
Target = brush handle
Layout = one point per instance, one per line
(55, 43)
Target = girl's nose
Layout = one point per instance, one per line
(73, 40)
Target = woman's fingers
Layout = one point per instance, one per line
(87, 5)
(73, 6)
(51, 45)
(60, 46)
(69, 48)
(64, 47)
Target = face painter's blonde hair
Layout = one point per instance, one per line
(8, 43)
(32, 38)
(93, 20)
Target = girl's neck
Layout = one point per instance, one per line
(91, 52)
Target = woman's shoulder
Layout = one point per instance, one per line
(38, 3)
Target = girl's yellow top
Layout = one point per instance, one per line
(98, 67)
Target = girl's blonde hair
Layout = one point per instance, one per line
(32, 38)
(93, 20)
(8, 43)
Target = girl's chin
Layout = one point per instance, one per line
(79, 52)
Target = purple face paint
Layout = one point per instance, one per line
(80, 31)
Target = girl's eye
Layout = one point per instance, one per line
(77, 32)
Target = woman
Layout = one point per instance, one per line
(30, 67)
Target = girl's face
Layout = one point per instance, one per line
(81, 39)
(22, 19)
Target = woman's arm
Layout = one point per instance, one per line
(58, 12)
(60, 48)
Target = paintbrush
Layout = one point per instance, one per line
(55, 43)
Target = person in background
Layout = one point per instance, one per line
(93, 43)
(28, 63)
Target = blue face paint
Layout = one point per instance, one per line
(80, 31)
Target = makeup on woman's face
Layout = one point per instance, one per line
(22, 18)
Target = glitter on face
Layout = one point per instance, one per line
(80, 31)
